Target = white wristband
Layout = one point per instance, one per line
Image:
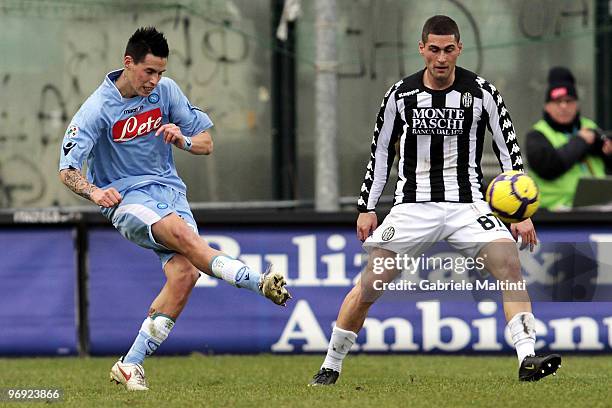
(187, 143)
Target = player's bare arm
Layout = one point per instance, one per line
(199, 144)
(75, 181)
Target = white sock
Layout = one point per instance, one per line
(235, 273)
(339, 346)
(522, 329)
(153, 331)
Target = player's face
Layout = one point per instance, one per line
(562, 110)
(144, 76)
(440, 53)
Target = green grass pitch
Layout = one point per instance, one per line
(280, 381)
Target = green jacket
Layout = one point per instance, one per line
(559, 192)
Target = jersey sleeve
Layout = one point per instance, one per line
(505, 143)
(191, 119)
(79, 139)
(382, 154)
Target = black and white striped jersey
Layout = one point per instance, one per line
(439, 136)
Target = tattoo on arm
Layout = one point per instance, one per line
(77, 183)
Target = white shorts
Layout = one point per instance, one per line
(411, 228)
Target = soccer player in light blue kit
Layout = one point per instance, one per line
(125, 131)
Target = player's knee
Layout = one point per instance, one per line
(362, 296)
(185, 238)
(510, 269)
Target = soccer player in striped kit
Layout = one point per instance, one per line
(437, 117)
(126, 131)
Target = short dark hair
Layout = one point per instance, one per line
(440, 25)
(146, 40)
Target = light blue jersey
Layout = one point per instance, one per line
(116, 136)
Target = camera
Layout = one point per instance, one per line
(603, 134)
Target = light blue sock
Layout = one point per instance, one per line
(235, 273)
(153, 332)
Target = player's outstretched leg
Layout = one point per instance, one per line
(270, 284)
(350, 320)
(181, 277)
(174, 233)
(502, 261)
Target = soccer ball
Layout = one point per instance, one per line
(513, 196)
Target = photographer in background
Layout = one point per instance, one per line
(563, 146)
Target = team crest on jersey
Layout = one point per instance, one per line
(153, 98)
(466, 100)
(388, 233)
(72, 131)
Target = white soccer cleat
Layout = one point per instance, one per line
(129, 374)
(272, 286)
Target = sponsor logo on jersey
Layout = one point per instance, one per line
(466, 100)
(162, 206)
(409, 93)
(440, 121)
(72, 131)
(133, 110)
(68, 146)
(153, 98)
(137, 125)
(388, 233)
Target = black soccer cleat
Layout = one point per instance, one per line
(535, 367)
(325, 376)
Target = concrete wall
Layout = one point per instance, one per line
(55, 53)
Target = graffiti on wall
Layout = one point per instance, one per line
(209, 60)
(223, 68)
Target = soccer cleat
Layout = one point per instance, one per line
(535, 367)
(130, 375)
(325, 376)
(272, 286)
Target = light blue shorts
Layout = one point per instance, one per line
(141, 208)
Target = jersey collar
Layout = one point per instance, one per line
(110, 82)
